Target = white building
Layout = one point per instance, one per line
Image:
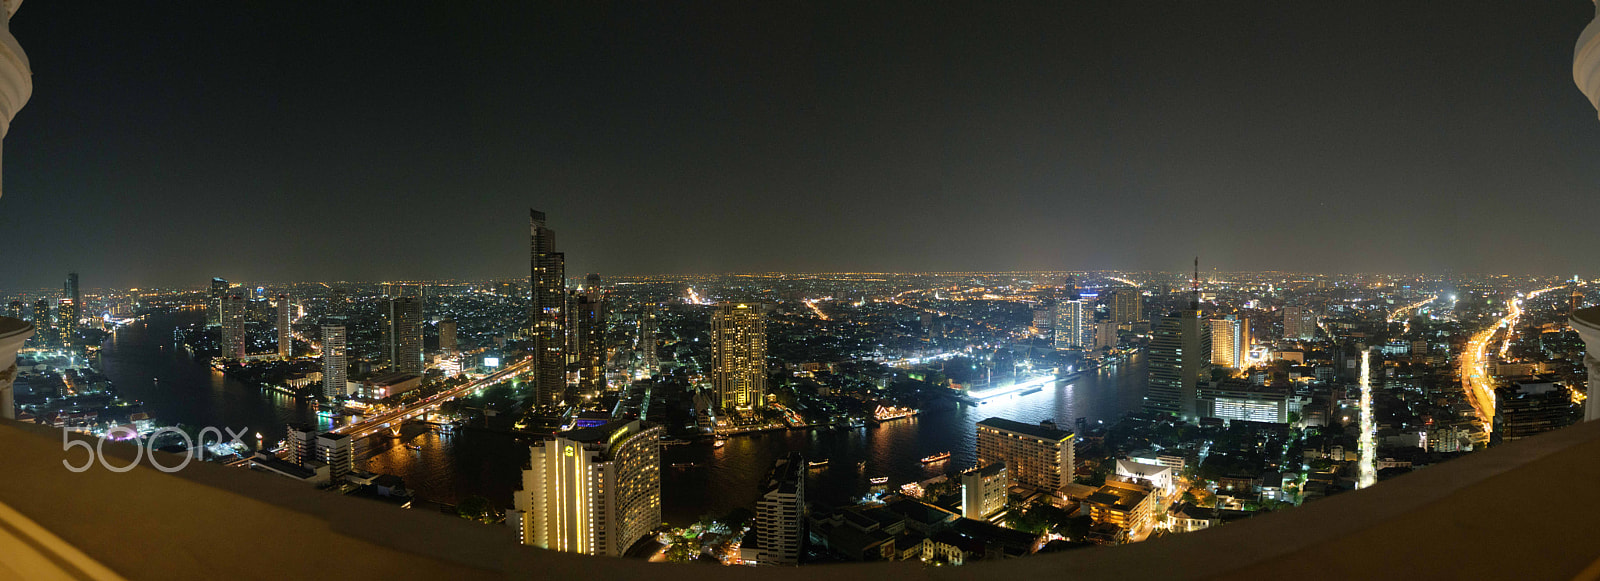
(779, 529)
(335, 362)
(983, 490)
(1157, 476)
(592, 491)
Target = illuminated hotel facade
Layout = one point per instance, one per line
(1035, 455)
(1230, 341)
(739, 355)
(593, 491)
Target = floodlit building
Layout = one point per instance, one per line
(1178, 353)
(778, 535)
(589, 311)
(285, 333)
(1527, 409)
(1236, 399)
(67, 321)
(1072, 326)
(235, 313)
(1299, 323)
(1127, 306)
(335, 362)
(219, 291)
(1158, 477)
(69, 290)
(1039, 456)
(983, 490)
(547, 316)
(593, 491)
(1127, 505)
(1230, 341)
(738, 355)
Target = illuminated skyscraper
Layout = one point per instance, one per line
(402, 334)
(285, 334)
(547, 312)
(739, 355)
(234, 312)
(1230, 341)
(1072, 324)
(593, 491)
(447, 335)
(1127, 306)
(647, 341)
(1178, 352)
(66, 321)
(1299, 323)
(589, 312)
(335, 362)
(779, 527)
(70, 291)
(44, 324)
(1039, 456)
(219, 291)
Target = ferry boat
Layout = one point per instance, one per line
(721, 441)
(818, 464)
(936, 458)
(414, 447)
(879, 480)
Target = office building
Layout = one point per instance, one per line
(285, 333)
(44, 324)
(1527, 409)
(593, 491)
(1105, 335)
(1039, 456)
(738, 355)
(301, 444)
(1299, 323)
(778, 534)
(335, 362)
(219, 291)
(589, 336)
(69, 290)
(1230, 341)
(547, 317)
(447, 336)
(336, 451)
(1238, 399)
(1127, 505)
(402, 334)
(1072, 325)
(235, 313)
(66, 321)
(1127, 306)
(983, 490)
(647, 341)
(1178, 352)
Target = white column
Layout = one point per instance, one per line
(12, 334)
(1587, 323)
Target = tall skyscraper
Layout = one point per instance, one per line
(593, 491)
(44, 324)
(1299, 323)
(285, 333)
(1039, 456)
(647, 341)
(1230, 341)
(547, 317)
(739, 355)
(447, 335)
(70, 291)
(1072, 327)
(335, 362)
(67, 321)
(1178, 351)
(779, 529)
(1127, 306)
(1105, 335)
(589, 340)
(219, 291)
(234, 312)
(402, 334)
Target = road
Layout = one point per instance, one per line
(393, 417)
(1475, 359)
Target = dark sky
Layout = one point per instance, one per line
(168, 142)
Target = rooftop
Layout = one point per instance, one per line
(1035, 430)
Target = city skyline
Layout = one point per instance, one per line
(1084, 147)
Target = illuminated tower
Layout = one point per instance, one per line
(592, 491)
(234, 312)
(285, 336)
(647, 341)
(738, 355)
(66, 321)
(1072, 324)
(219, 291)
(402, 334)
(589, 326)
(70, 291)
(335, 361)
(547, 312)
(1178, 354)
(1127, 306)
(1229, 341)
(447, 335)
(44, 323)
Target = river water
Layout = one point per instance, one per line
(143, 362)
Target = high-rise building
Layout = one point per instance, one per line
(1299, 323)
(402, 334)
(1527, 409)
(44, 324)
(1178, 352)
(1039, 456)
(1230, 341)
(593, 491)
(589, 341)
(219, 291)
(779, 534)
(1073, 325)
(983, 490)
(70, 291)
(285, 333)
(1237, 399)
(336, 451)
(14, 310)
(235, 312)
(739, 355)
(647, 341)
(1127, 306)
(1105, 335)
(547, 312)
(66, 321)
(335, 362)
(447, 335)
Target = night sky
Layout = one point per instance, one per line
(168, 142)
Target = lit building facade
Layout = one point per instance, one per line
(235, 313)
(1072, 325)
(547, 317)
(402, 334)
(1178, 352)
(739, 355)
(983, 490)
(593, 491)
(779, 528)
(1230, 341)
(1127, 306)
(447, 336)
(219, 291)
(335, 362)
(589, 311)
(1035, 455)
(285, 333)
(649, 359)
(1234, 399)
(1299, 323)
(66, 321)
(70, 290)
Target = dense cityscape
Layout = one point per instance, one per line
(783, 419)
(955, 291)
